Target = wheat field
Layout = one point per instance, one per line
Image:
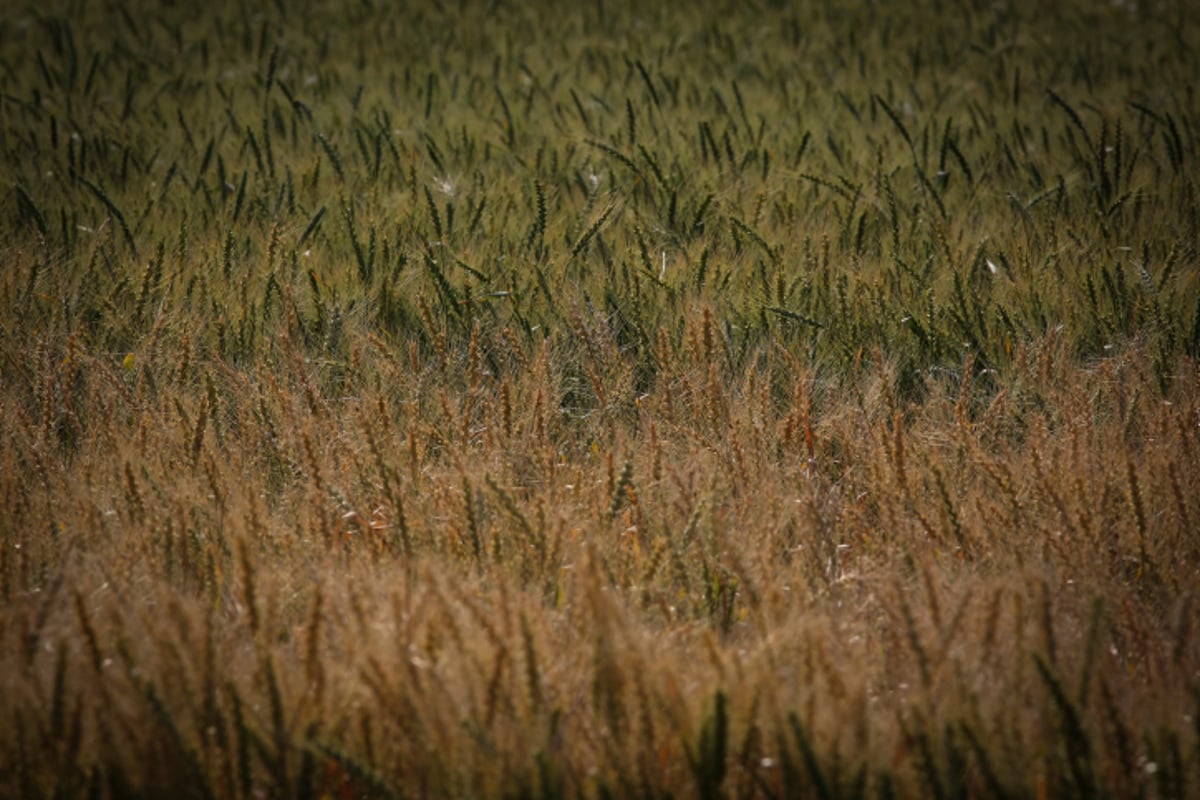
(745, 400)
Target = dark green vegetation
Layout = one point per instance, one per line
(531, 400)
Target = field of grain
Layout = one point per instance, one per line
(745, 400)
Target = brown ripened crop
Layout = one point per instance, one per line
(599, 400)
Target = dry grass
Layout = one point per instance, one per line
(406, 460)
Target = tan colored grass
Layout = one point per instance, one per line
(623, 400)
